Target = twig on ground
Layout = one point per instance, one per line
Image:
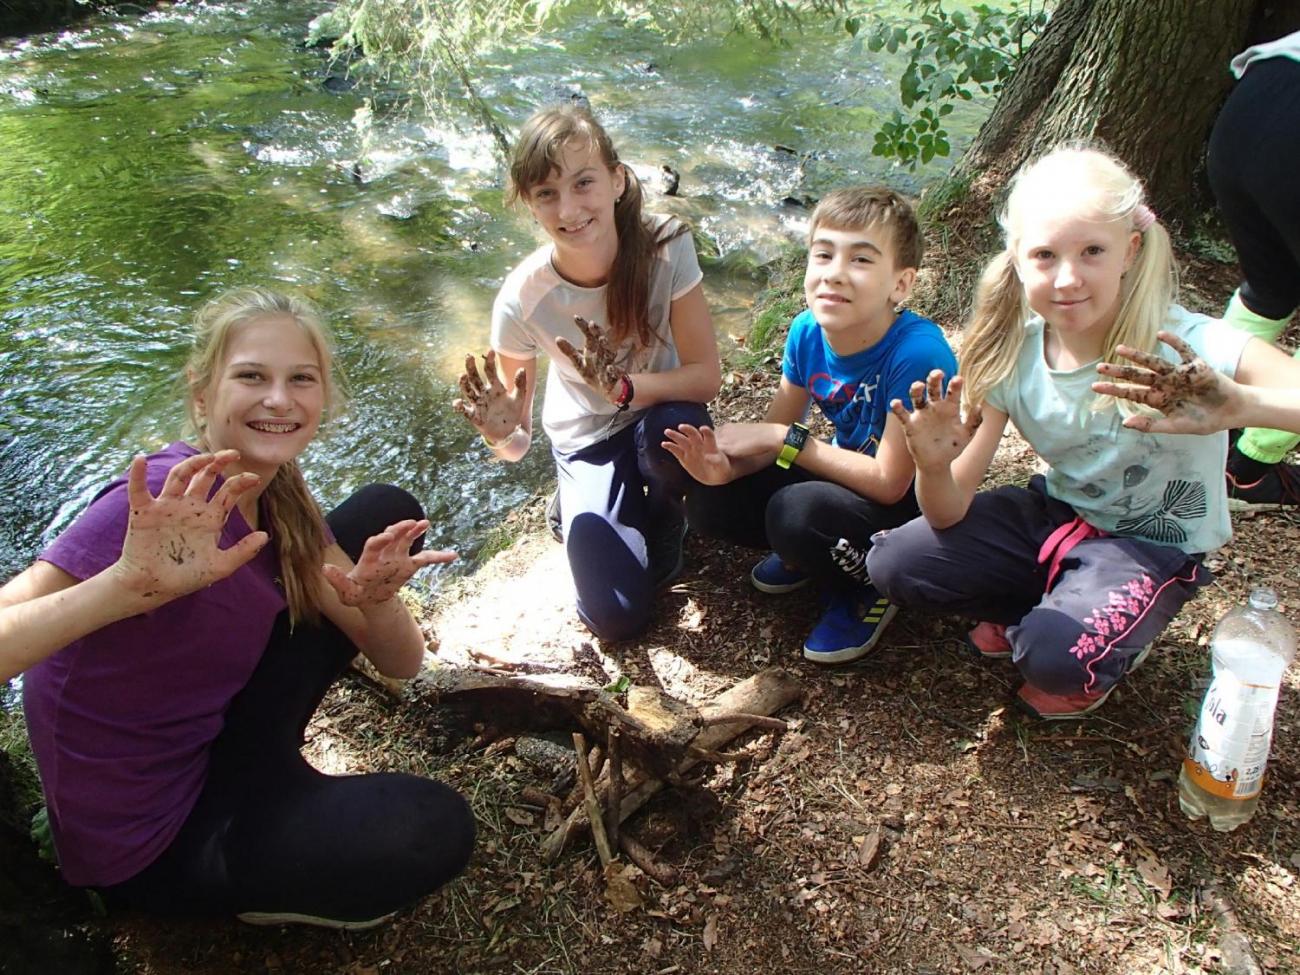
(661, 873)
(1234, 946)
(593, 804)
(754, 720)
(613, 813)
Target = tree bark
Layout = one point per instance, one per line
(1144, 78)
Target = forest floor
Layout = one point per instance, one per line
(910, 821)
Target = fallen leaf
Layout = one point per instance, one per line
(520, 817)
(1156, 875)
(975, 958)
(869, 849)
(711, 932)
(620, 889)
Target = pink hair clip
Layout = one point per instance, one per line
(1143, 217)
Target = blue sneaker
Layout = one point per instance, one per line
(850, 627)
(774, 576)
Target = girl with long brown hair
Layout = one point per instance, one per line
(614, 299)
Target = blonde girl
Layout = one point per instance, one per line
(175, 657)
(1075, 575)
(615, 301)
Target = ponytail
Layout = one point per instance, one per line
(297, 532)
(1150, 287)
(993, 338)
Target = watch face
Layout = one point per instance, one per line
(796, 436)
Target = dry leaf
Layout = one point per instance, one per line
(520, 817)
(975, 958)
(711, 932)
(620, 887)
(1156, 875)
(869, 849)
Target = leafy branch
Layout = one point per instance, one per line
(952, 56)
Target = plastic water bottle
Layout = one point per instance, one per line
(1224, 769)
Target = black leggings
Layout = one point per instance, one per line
(1252, 170)
(271, 834)
(798, 516)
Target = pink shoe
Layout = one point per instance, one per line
(989, 640)
(1059, 707)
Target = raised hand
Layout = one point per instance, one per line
(1193, 397)
(386, 564)
(170, 548)
(697, 450)
(595, 363)
(936, 432)
(490, 408)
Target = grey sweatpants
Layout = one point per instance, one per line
(1077, 604)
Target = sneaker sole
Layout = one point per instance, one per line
(263, 918)
(1079, 715)
(984, 655)
(852, 653)
(778, 589)
(1240, 506)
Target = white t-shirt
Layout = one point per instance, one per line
(536, 305)
(1166, 488)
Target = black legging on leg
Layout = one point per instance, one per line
(271, 834)
(1251, 166)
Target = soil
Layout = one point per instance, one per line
(910, 821)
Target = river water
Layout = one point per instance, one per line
(150, 162)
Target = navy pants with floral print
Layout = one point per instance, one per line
(1078, 603)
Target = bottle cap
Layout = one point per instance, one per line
(1263, 599)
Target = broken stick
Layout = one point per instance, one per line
(592, 803)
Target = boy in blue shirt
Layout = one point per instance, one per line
(816, 504)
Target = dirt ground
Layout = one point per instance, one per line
(910, 820)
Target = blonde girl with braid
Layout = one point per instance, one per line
(1075, 575)
(180, 634)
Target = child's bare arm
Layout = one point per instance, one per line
(883, 478)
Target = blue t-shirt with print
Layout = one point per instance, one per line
(854, 391)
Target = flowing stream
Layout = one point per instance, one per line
(152, 161)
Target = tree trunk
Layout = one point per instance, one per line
(1144, 78)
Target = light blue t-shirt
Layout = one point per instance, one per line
(854, 391)
(1166, 488)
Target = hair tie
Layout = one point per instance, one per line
(1143, 217)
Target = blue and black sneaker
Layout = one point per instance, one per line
(850, 627)
(774, 576)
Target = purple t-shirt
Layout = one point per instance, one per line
(122, 721)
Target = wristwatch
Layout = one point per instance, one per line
(795, 438)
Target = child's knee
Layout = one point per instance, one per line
(612, 617)
(887, 567)
(1056, 654)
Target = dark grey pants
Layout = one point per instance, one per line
(1077, 604)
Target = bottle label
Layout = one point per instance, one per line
(1229, 746)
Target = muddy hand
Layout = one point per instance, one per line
(697, 450)
(490, 408)
(386, 564)
(1193, 397)
(170, 547)
(595, 362)
(936, 433)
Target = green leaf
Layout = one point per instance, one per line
(619, 686)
